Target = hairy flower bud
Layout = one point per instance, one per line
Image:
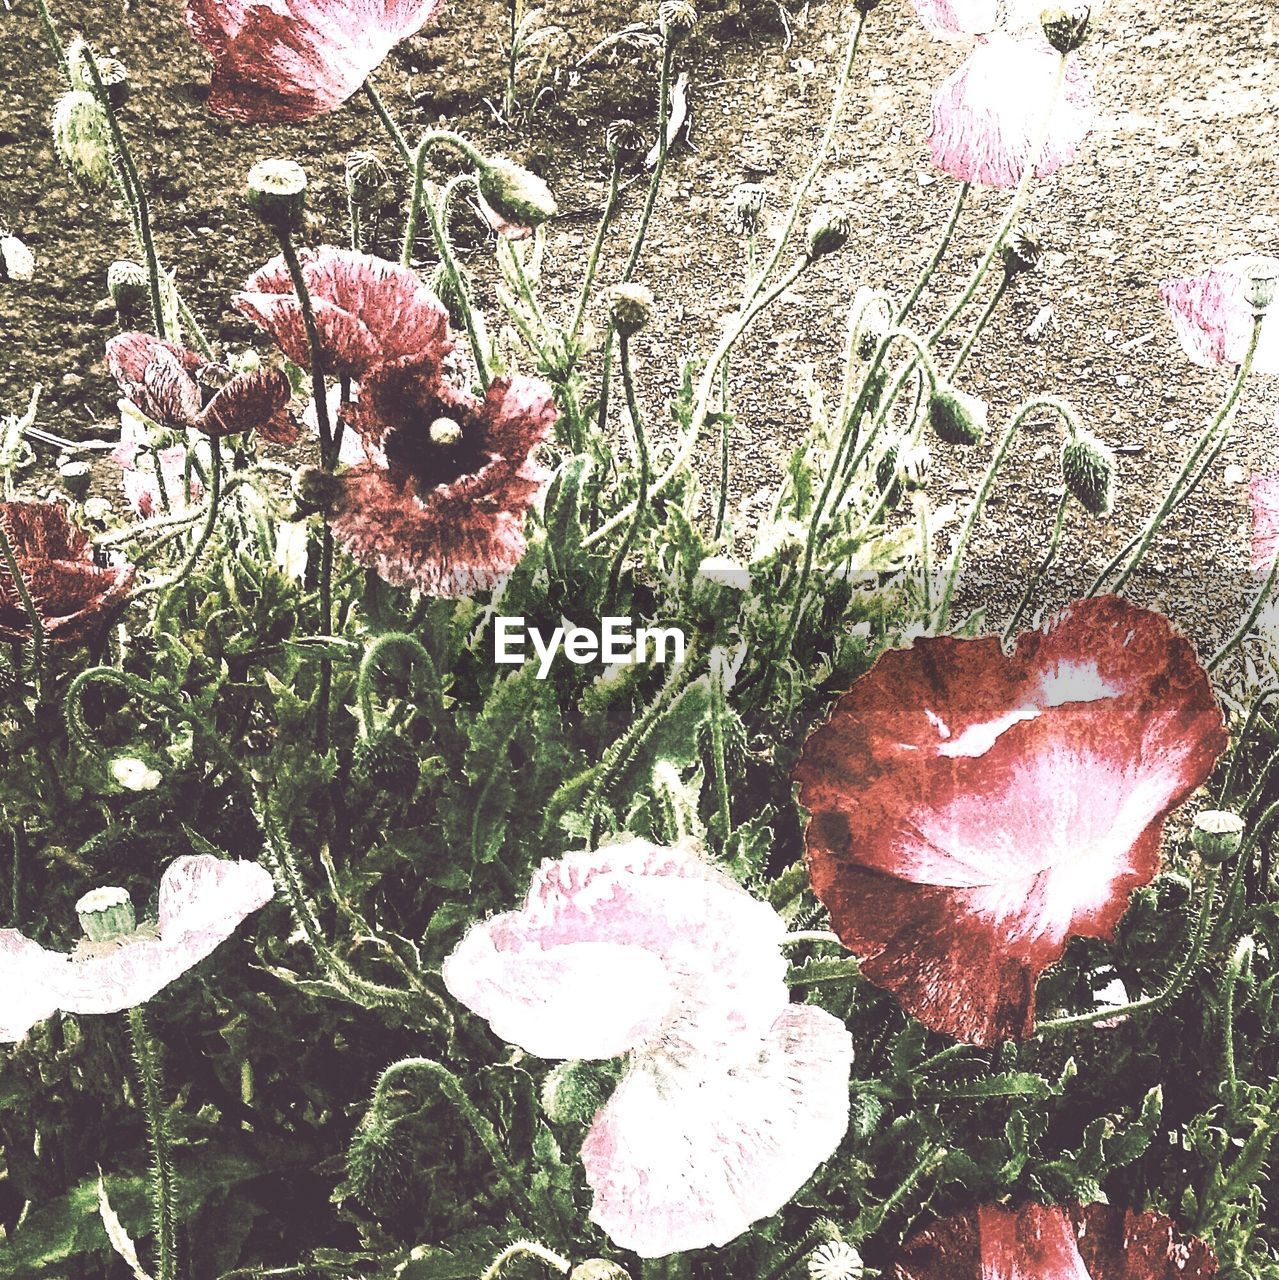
(365, 175)
(835, 1260)
(516, 194)
(599, 1269)
(442, 284)
(828, 231)
(82, 138)
(386, 761)
(956, 417)
(17, 262)
(745, 206)
(1065, 27)
(630, 307)
(106, 914)
(1022, 251)
(128, 286)
(623, 141)
(378, 1167)
(276, 192)
(677, 18)
(1217, 835)
(574, 1091)
(1088, 468)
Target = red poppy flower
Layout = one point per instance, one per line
(1075, 1242)
(294, 59)
(972, 811)
(74, 597)
(367, 311)
(179, 389)
(442, 502)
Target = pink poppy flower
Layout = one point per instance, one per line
(202, 900)
(972, 811)
(987, 114)
(74, 597)
(143, 470)
(1264, 493)
(182, 390)
(1075, 1242)
(953, 18)
(367, 310)
(294, 59)
(731, 1097)
(1213, 320)
(443, 504)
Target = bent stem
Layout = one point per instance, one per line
(525, 1249)
(392, 129)
(641, 450)
(1054, 545)
(943, 244)
(593, 258)
(1172, 988)
(663, 146)
(1246, 626)
(164, 1199)
(206, 529)
(982, 321)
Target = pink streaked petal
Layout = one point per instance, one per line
(255, 401)
(692, 1149)
(299, 58)
(954, 19)
(972, 811)
(1264, 496)
(28, 980)
(156, 376)
(683, 951)
(987, 114)
(1213, 320)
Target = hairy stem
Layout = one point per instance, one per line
(164, 1194)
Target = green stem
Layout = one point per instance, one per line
(593, 258)
(164, 1198)
(29, 607)
(1246, 626)
(871, 1219)
(982, 320)
(417, 181)
(1240, 958)
(444, 247)
(373, 656)
(525, 1249)
(725, 423)
(655, 182)
(931, 266)
(392, 129)
(719, 712)
(641, 450)
(1257, 829)
(51, 34)
(1054, 544)
(206, 530)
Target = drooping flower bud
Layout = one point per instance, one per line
(623, 141)
(1217, 835)
(677, 19)
(835, 1260)
(128, 286)
(828, 231)
(1065, 27)
(516, 194)
(745, 206)
(445, 288)
(82, 138)
(377, 1166)
(1022, 250)
(1088, 468)
(630, 307)
(599, 1269)
(276, 192)
(365, 175)
(106, 914)
(955, 416)
(1261, 283)
(135, 775)
(574, 1091)
(387, 761)
(17, 262)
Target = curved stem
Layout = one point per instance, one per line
(206, 531)
(1246, 626)
(416, 182)
(1239, 961)
(164, 1197)
(593, 258)
(525, 1249)
(663, 145)
(435, 217)
(392, 129)
(373, 656)
(1054, 544)
(947, 235)
(641, 450)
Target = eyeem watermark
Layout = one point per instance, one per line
(618, 640)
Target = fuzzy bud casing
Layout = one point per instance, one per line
(956, 417)
(386, 761)
(630, 307)
(516, 194)
(128, 286)
(677, 19)
(276, 192)
(828, 231)
(365, 176)
(574, 1091)
(82, 138)
(106, 914)
(1088, 468)
(1217, 835)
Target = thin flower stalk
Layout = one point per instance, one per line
(939, 253)
(1049, 556)
(641, 453)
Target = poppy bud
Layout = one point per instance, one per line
(677, 18)
(835, 1260)
(516, 194)
(377, 1167)
(828, 232)
(599, 1269)
(623, 140)
(276, 192)
(574, 1091)
(128, 286)
(366, 175)
(111, 71)
(1065, 28)
(1217, 835)
(956, 417)
(1259, 289)
(386, 762)
(903, 467)
(1088, 468)
(1022, 251)
(313, 489)
(82, 138)
(17, 262)
(135, 775)
(745, 206)
(106, 914)
(630, 308)
(443, 286)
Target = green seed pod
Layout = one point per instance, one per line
(128, 287)
(1260, 286)
(441, 284)
(835, 1260)
(623, 140)
(955, 417)
(365, 175)
(387, 761)
(1217, 835)
(377, 1167)
(276, 192)
(828, 232)
(677, 19)
(106, 914)
(313, 489)
(1088, 468)
(82, 138)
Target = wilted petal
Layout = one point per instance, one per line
(1213, 320)
(971, 812)
(294, 59)
(202, 901)
(256, 401)
(692, 1149)
(987, 115)
(138, 469)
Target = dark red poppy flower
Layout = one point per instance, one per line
(367, 311)
(294, 59)
(1074, 1242)
(179, 389)
(442, 502)
(74, 597)
(972, 811)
